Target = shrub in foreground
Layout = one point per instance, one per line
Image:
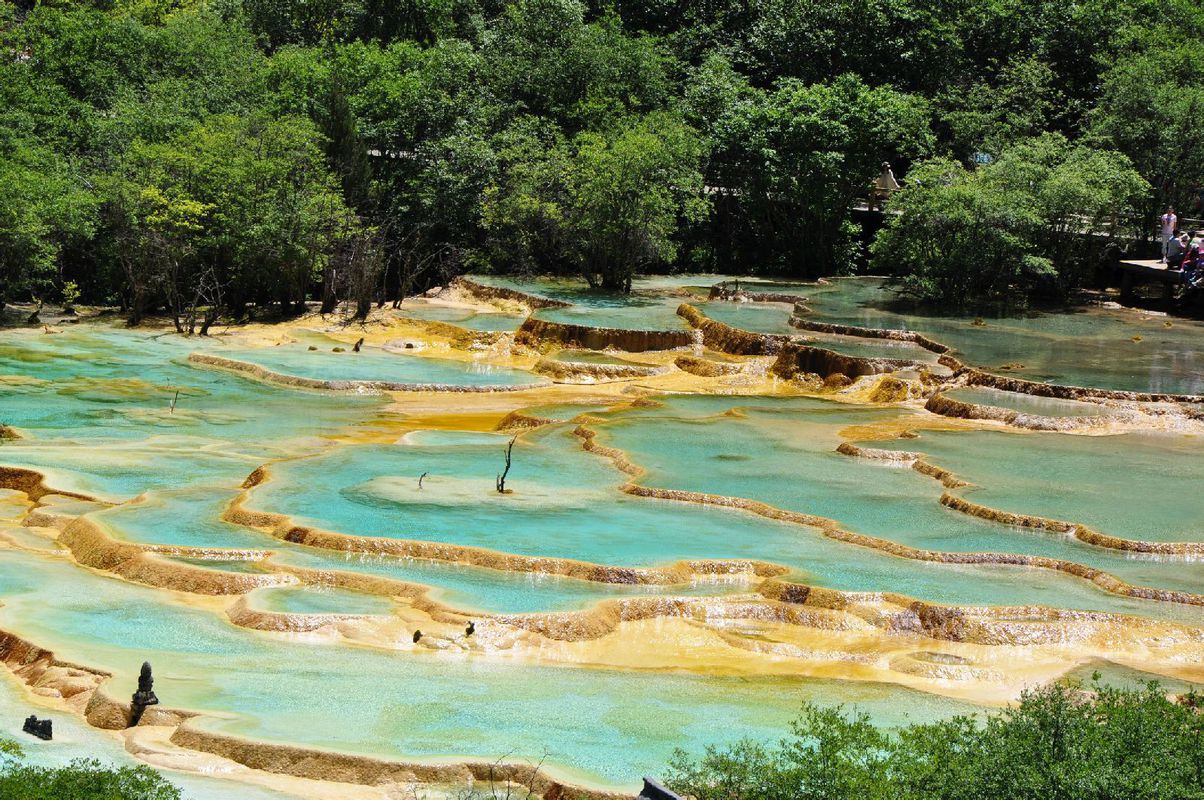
(80, 780)
(1058, 743)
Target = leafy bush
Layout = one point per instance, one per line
(1031, 222)
(83, 779)
(1058, 743)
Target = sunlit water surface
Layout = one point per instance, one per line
(125, 417)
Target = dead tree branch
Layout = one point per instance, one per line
(501, 478)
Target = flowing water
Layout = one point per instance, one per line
(560, 574)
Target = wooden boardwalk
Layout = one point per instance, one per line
(1137, 273)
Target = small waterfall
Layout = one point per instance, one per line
(759, 367)
(503, 347)
(754, 371)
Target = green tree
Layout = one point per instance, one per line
(604, 205)
(236, 209)
(94, 56)
(954, 238)
(1020, 100)
(461, 132)
(198, 66)
(422, 113)
(542, 57)
(523, 208)
(1030, 222)
(627, 193)
(44, 205)
(899, 42)
(1060, 742)
(794, 161)
(1152, 110)
(284, 23)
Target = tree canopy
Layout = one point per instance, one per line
(207, 158)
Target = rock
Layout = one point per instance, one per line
(704, 367)
(312, 348)
(890, 390)
(145, 696)
(338, 350)
(73, 685)
(654, 791)
(105, 713)
(41, 728)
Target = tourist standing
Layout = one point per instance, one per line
(1169, 223)
(884, 187)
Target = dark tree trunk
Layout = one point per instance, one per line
(211, 315)
(137, 309)
(616, 282)
(362, 307)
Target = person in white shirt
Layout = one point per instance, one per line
(1169, 223)
(884, 187)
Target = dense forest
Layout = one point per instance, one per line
(211, 157)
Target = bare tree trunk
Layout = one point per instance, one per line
(137, 309)
(501, 478)
(330, 295)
